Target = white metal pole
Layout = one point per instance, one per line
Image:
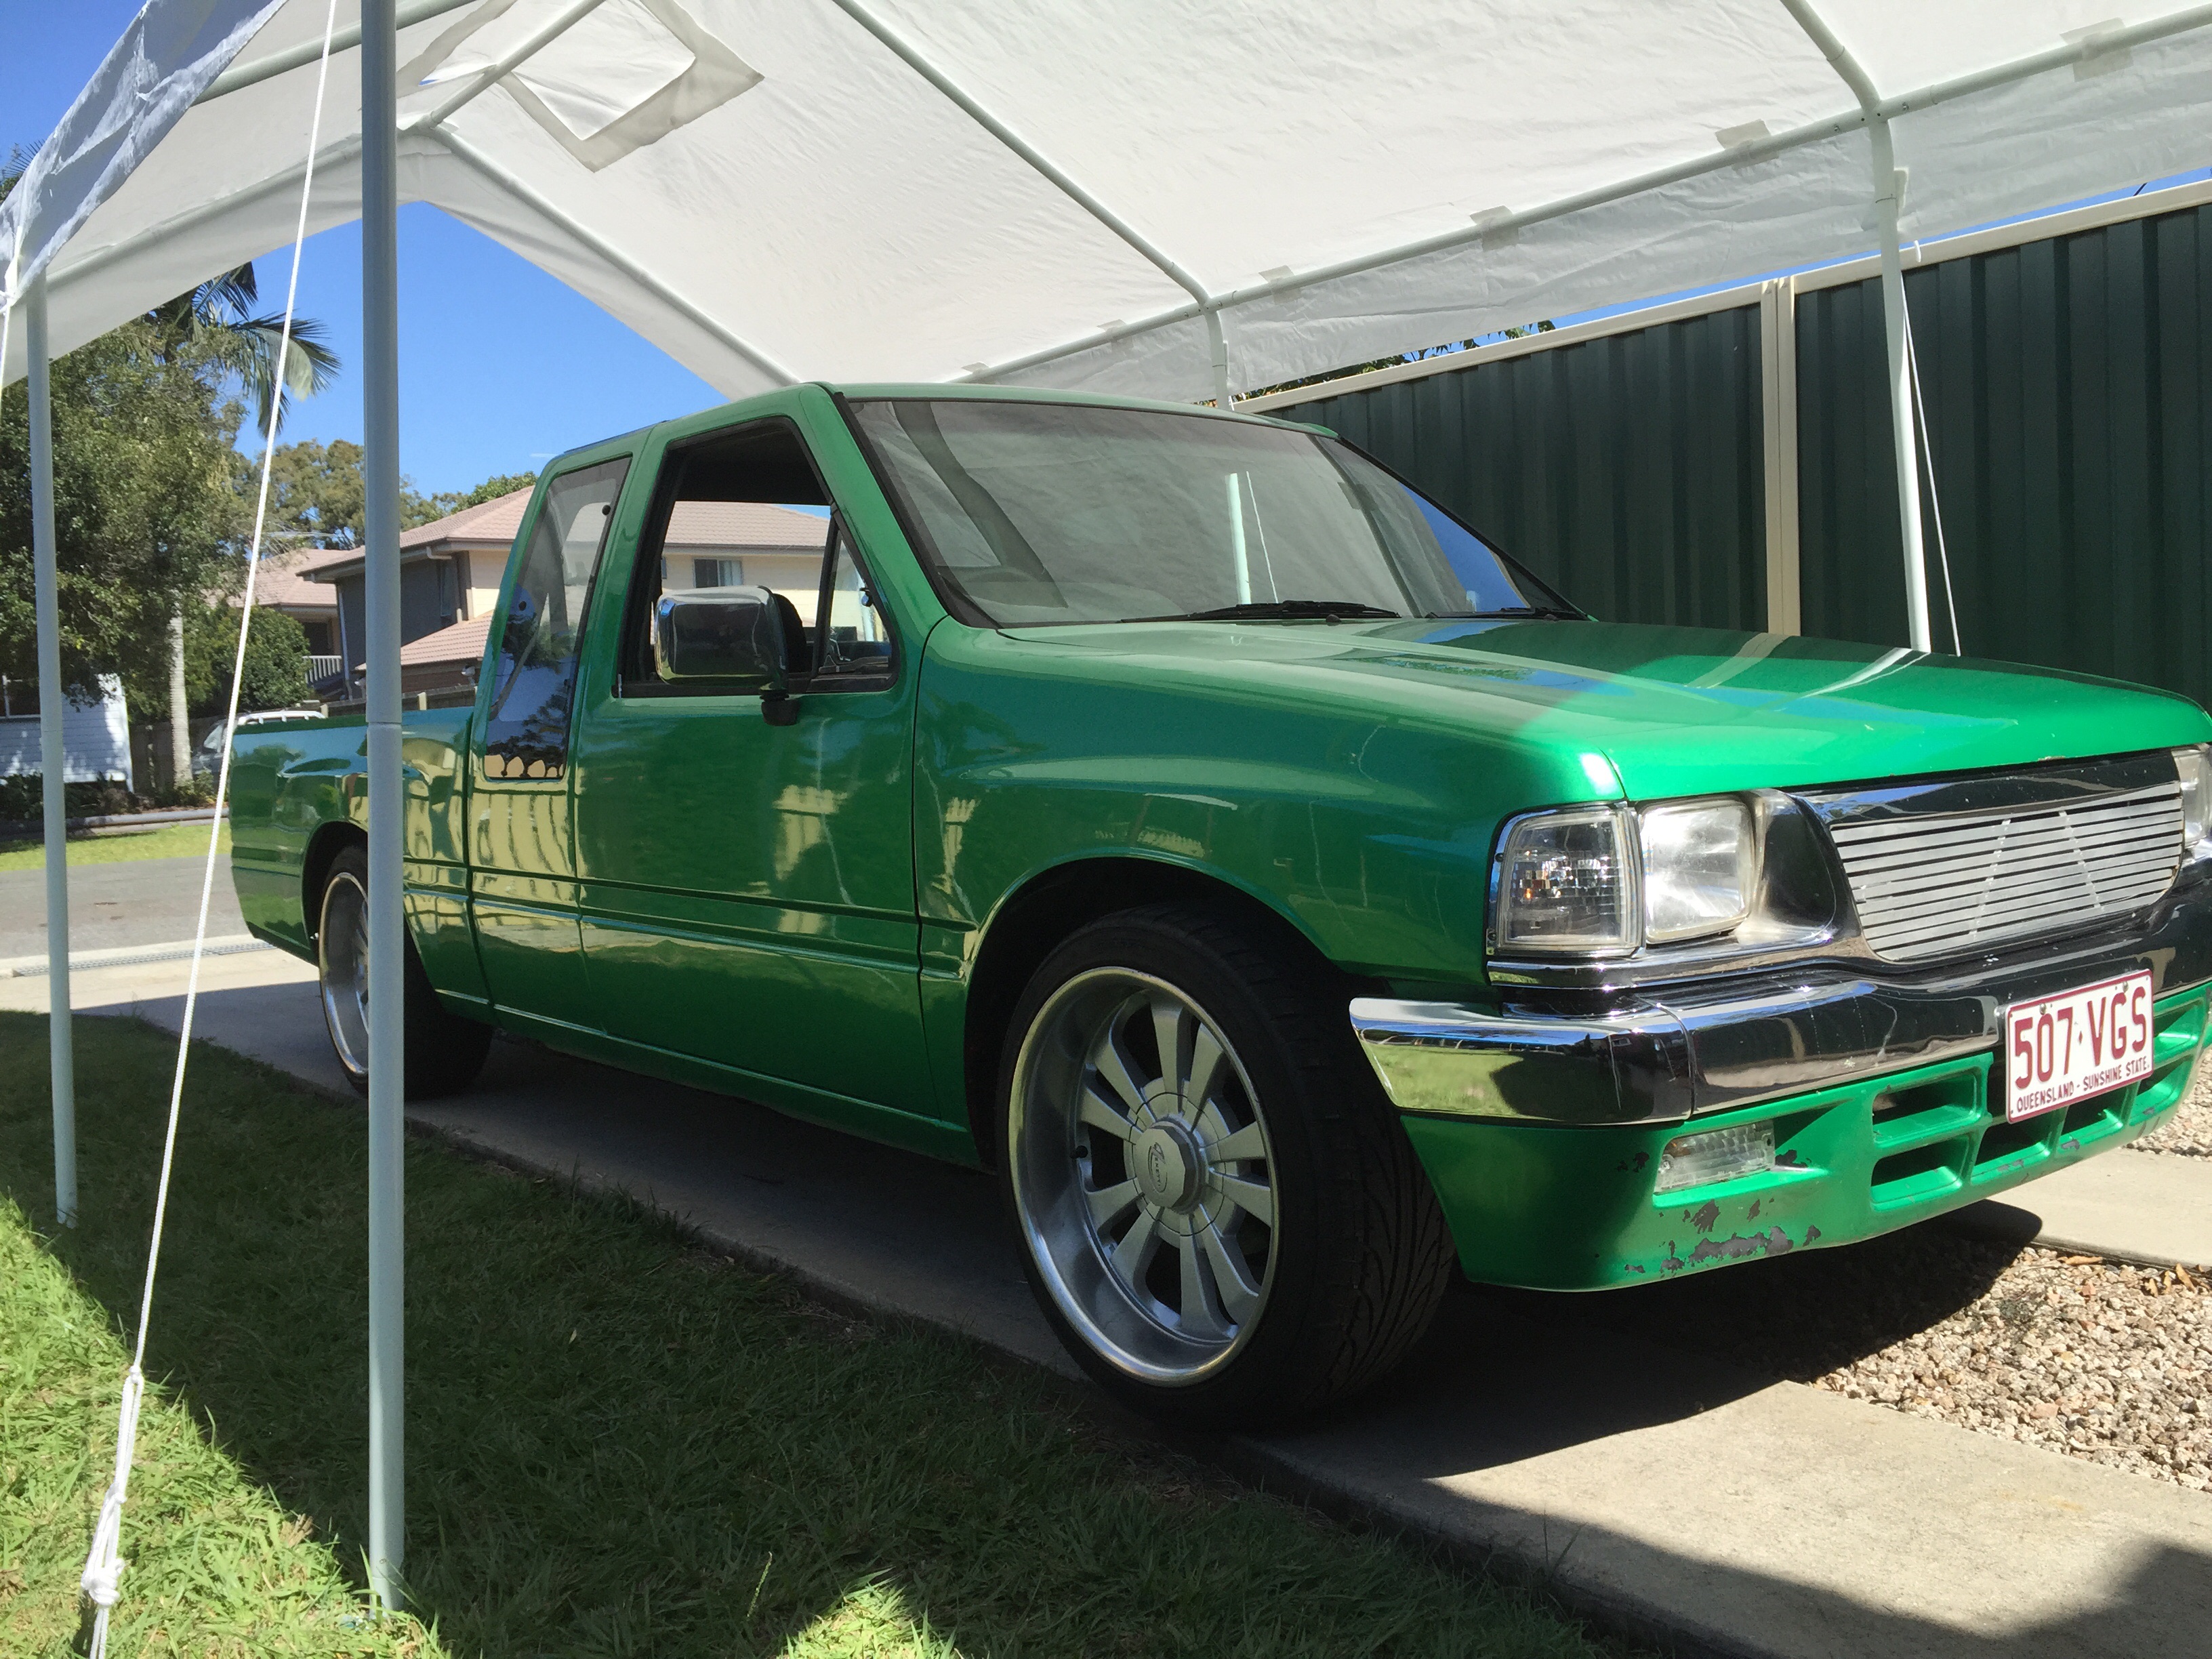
(379, 309)
(53, 760)
(1887, 190)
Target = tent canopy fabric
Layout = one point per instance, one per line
(1067, 193)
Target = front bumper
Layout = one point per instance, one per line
(1542, 1122)
(1680, 1051)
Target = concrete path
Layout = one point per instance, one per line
(1714, 1509)
(2132, 1207)
(137, 902)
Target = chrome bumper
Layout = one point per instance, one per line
(1667, 1053)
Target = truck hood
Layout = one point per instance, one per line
(1676, 711)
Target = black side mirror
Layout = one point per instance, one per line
(732, 635)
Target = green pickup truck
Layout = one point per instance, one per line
(1285, 892)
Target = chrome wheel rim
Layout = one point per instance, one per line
(1142, 1175)
(342, 952)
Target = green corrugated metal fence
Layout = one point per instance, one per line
(1628, 470)
(2069, 387)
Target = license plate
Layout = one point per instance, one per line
(2064, 1048)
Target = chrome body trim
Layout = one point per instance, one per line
(1658, 1054)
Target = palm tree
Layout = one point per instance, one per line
(218, 320)
(217, 317)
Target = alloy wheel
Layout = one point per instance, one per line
(1142, 1175)
(342, 949)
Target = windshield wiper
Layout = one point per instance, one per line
(1540, 612)
(1287, 611)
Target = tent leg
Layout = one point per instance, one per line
(379, 307)
(53, 760)
(1895, 322)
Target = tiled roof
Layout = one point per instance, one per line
(694, 527)
(744, 524)
(287, 580)
(495, 521)
(462, 641)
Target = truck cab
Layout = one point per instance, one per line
(1287, 894)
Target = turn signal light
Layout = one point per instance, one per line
(1715, 1155)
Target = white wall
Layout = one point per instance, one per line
(96, 741)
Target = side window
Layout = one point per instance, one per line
(534, 680)
(854, 639)
(746, 509)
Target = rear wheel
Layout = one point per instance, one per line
(444, 1052)
(1221, 1217)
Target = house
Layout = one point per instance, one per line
(450, 571)
(295, 583)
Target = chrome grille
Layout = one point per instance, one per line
(1931, 886)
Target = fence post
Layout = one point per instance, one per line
(1778, 393)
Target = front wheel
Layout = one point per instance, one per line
(444, 1052)
(1221, 1215)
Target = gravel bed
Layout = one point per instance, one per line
(2103, 1361)
(2188, 1134)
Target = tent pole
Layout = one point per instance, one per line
(380, 309)
(1888, 188)
(53, 758)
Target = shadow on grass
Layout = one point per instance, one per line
(618, 1442)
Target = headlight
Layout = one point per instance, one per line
(2195, 771)
(1699, 867)
(1566, 883)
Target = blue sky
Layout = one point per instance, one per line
(501, 366)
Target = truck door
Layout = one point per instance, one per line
(522, 888)
(746, 873)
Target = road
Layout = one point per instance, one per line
(140, 902)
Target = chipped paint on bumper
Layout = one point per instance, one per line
(1574, 1208)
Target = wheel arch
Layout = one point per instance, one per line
(323, 850)
(1049, 904)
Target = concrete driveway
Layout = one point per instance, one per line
(1662, 1490)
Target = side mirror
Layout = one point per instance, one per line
(732, 635)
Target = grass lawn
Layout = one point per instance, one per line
(617, 1442)
(170, 841)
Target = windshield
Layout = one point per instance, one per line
(1056, 513)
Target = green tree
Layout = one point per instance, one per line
(146, 505)
(276, 660)
(217, 320)
(316, 496)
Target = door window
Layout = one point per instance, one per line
(746, 509)
(534, 681)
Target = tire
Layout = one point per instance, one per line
(1201, 1288)
(444, 1052)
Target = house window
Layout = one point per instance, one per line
(717, 573)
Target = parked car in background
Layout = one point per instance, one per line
(207, 754)
(1285, 892)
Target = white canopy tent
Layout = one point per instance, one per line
(1185, 199)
